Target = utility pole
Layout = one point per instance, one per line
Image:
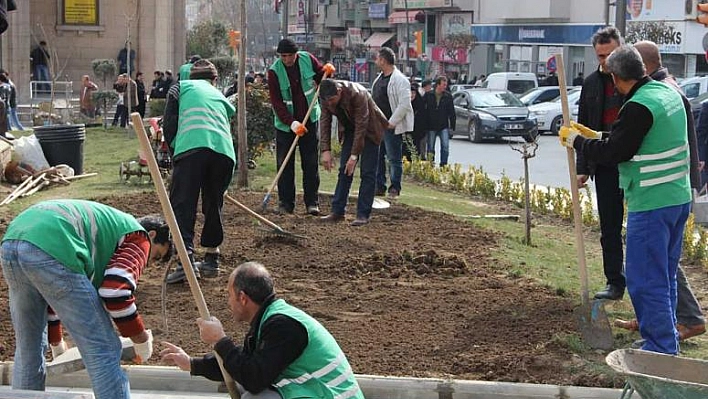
(621, 16)
(285, 10)
(408, 37)
(242, 179)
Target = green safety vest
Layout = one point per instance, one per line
(322, 370)
(81, 235)
(204, 116)
(307, 80)
(658, 175)
(184, 71)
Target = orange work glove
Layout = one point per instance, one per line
(329, 69)
(298, 128)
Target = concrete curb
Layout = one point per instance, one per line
(171, 379)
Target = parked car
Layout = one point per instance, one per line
(492, 113)
(515, 82)
(540, 95)
(455, 88)
(550, 115)
(696, 104)
(694, 87)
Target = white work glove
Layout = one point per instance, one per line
(58, 349)
(143, 351)
(298, 128)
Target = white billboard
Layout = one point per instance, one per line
(656, 10)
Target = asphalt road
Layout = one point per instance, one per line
(548, 168)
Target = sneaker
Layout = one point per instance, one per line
(359, 221)
(611, 292)
(282, 210)
(313, 210)
(209, 268)
(179, 276)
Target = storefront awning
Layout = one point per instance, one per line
(399, 17)
(377, 39)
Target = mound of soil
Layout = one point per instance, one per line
(414, 293)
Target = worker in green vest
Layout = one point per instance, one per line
(287, 354)
(292, 84)
(197, 128)
(184, 70)
(649, 143)
(76, 264)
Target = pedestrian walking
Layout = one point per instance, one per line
(440, 118)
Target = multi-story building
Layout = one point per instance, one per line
(81, 31)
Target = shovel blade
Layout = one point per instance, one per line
(594, 325)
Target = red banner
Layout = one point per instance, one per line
(440, 55)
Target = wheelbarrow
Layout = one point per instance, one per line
(658, 376)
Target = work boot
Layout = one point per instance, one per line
(178, 276)
(209, 267)
(611, 292)
(686, 332)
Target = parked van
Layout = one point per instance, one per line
(694, 87)
(515, 82)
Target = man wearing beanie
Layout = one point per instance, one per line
(197, 128)
(187, 67)
(291, 83)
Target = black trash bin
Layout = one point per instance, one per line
(63, 144)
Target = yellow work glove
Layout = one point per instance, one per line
(585, 131)
(143, 350)
(58, 349)
(567, 136)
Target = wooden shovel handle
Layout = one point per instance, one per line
(177, 237)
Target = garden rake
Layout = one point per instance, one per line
(274, 228)
(266, 199)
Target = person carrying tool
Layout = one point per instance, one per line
(197, 128)
(83, 260)
(291, 84)
(361, 129)
(649, 143)
(286, 354)
(689, 317)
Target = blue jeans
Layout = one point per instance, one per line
(36, 280)
(654, 241)
(41, 73)
(444, 144)
(368, 160)
(393, 146)
(13, 120)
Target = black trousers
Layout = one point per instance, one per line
(610, 208)
(309, 146)
(209, 173)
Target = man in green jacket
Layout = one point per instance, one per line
(197, 128)
(287, 354)
(649, 144)
(77, 263)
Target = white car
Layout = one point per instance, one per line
(549, 115)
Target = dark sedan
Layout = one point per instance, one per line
(491, 113)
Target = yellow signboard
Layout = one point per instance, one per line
(80, 12)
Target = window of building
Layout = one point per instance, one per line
(430, 32)
(78, 12)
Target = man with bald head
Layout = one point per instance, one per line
(689, 317)
(287, 354)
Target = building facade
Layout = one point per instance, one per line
(79, 31)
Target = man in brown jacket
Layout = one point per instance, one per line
(361, 127)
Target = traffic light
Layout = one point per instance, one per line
(234, 39)
(418, 41)
(702, 17)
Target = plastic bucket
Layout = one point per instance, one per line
(63, 144)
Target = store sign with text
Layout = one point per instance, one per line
(440, 54)
(416, 4)
(453, 23)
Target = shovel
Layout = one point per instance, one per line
(179, 243)
(592, 320)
